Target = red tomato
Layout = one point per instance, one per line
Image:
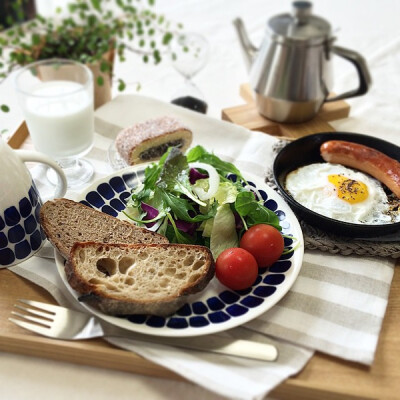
(264, 242)
(236, 268)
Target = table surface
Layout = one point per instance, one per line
(370, 27)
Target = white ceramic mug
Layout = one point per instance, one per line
(20, 232)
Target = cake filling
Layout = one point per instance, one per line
(158, 151)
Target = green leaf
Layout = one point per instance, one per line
(223, 234)
(121, 85)
(181, 207)
(167, 38)
(174, 235)
(100, 80)
(96, 4)
(4, 108)
(104, 66)
(254, 212)
(198, 153)
(174, 176)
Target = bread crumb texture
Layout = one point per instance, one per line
(142, 272)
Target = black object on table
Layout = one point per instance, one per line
(191, 103)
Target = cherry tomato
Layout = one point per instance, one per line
(264, 242)
(236, 268)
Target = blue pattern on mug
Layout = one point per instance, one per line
(20, 231)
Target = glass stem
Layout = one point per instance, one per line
(68, 163)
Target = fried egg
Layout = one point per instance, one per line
(340, 193)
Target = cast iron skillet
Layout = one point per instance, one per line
(305, 151)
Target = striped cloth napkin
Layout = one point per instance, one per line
(336, 306)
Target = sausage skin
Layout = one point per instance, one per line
(364, 158)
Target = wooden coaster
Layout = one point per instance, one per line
(248, 116)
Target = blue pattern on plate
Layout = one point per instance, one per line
(236, 310)
(155, 322)
(229, 297)
(118, 184)
(251, 301)
(199, 308)
(106, 191)
(264, 291)
(274, 279)
(215, 303)
(19, 229)
(109, 210)
(218, 317)
(177, 323)
(280, 266)
(197, 322)
(137, 319)
(220, 307)
(117, 205)
(95, 200)
(184, 311)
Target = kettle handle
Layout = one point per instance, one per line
(363, 73)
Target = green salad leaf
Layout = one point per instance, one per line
(253, 212)
(224, 168)
(174, 176)
(223, 234)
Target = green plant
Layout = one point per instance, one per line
(92, 29)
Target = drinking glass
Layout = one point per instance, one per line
(189, 52)
(56, 97)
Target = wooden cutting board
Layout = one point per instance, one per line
(324, 377)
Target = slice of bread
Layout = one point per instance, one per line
(66, 222)
(128, 279)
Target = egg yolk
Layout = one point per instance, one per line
(348, 189)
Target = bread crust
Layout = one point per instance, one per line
(65, 222)
(96, 296)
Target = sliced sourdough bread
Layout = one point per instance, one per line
(66, 222)
(123, 279)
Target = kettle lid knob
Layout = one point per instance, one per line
(301, 11)
(301, 25)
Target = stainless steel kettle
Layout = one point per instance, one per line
(291, 73)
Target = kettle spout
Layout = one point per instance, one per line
(248, 48)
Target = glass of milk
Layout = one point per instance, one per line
(56, 97)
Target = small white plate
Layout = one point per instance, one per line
(216, 308)
(114, 159)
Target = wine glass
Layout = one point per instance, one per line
(189, 53)
(56, 97)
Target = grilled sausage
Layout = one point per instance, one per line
(366, 159)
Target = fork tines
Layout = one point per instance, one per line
(37, 325)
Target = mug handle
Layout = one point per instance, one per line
(362, 69)
(27, 156)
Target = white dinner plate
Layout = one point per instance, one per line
(216, 308)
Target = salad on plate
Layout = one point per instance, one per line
(199, 199)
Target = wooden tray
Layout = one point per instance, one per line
(324, 377)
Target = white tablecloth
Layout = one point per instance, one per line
(370, 27)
